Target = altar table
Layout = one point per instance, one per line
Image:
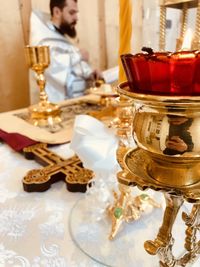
(35, 227)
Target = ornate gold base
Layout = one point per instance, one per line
(45, 114)
(141, 168)
(163, 243)
(137, 165)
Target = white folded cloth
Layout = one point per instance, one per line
(95, 144)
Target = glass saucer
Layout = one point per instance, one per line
(126, 250)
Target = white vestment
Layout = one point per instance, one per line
(67, 74)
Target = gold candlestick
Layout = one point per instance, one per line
(44, 113)
(184, 21)
(184, 5)
(162, 28)
(196, 40)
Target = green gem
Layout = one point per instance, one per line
(118, 212)
(144, 196)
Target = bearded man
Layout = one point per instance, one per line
(69, 70)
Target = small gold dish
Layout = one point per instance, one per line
(146, 173)
(106, 93)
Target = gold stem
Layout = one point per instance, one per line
(196, 40)
(162, 28)
(164, 237)
(124, 114)
(190, 239)
(173, 204)
(192, 222)
(41, 81)
(184, 20)
(197, 27)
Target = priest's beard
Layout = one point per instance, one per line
(68, 28)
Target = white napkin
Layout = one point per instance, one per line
(95, 144)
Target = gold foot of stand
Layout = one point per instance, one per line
(45, 114)
(136, 174)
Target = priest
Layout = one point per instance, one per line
(69, 72)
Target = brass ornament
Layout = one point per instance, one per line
(179, 3)
(125, 208)
(124, 116)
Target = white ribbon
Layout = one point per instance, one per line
(95, 144)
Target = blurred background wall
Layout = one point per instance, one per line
(97, 29)
(97, 32)
(13, 70)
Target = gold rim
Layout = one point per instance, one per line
(124, 89)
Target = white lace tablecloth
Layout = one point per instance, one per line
(34, 227)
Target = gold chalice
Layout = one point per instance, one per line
(44, 113)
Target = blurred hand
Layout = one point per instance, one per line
(176, 143)
(96, 75)
(178, 120)
(84, 55)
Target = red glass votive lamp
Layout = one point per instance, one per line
(163, 73)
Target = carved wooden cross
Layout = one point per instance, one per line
(56, 168)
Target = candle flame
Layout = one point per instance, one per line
(187, 41)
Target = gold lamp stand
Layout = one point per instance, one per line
(150, 167)
(44, 113)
